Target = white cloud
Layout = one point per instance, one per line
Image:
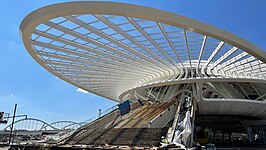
(82, 91)
(56, 78)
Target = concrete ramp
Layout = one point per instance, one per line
(142, 117)
(120, 136)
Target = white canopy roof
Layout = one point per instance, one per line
(109, 48)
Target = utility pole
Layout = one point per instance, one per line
(14, 115)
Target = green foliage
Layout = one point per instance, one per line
(42, 147)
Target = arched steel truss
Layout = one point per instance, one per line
(62, 125)
(112, 48)
(32, 124)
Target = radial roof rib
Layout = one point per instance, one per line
(187, 46)
(102, 34)
(239, 63)
(126, 35)
(103, 70)
(188, 52)
(113, 52)
(93, 68)
(200, 54)
(223, 57)
(65, 30)
(99, 72)
(173, 49)
(170, 43)
(95, 73)
(139, 28)
(220, 45)
(102, 64)
(252, 67)
(115, 59)
(162, 62)
(232, 60)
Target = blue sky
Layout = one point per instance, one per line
(39, 94)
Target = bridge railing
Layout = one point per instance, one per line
(108, 110)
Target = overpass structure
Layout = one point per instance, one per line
(123, 52)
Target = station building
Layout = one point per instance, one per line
(185, 79)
